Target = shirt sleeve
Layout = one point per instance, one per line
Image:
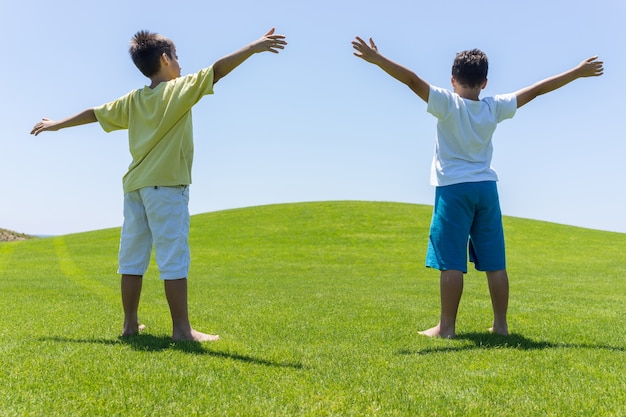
(439, 100)
(114, 115)
(506, 106)
(193, 87)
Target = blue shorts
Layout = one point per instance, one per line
(466, 217)
(156, 216)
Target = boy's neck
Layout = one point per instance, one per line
(469, 93)
(158, 80)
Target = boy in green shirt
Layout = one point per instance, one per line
(156, 186)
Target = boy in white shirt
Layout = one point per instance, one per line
(467, 212)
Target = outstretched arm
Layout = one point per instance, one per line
(370, 54)
(267, 43)
(590, 67)
(84, 117)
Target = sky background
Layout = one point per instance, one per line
(313, 123)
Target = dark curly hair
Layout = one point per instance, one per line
(470, 68)
(146, 49)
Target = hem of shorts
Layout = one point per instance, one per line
(489, 268)
(173, 277)
(447, 268)
(141, 273)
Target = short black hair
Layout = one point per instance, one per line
(470, 68)
(146, 49)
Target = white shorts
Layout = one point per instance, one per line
(156, 216)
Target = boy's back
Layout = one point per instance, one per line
(156, 192)
(466, 215)
(160, 132)
(463, 148)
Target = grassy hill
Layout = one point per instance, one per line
(318, 306)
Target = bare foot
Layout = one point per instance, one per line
(133, 330)
(437, 332)
(195, 336)
(503, 331)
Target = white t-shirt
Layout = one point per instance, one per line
(463, 148)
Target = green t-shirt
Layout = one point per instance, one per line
(160, 131)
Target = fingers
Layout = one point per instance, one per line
(593, 61)
(271, 35)
(37, 130)
(358, 44)
(276, 42)
(597, 67)
(39, 127)
(273, 42)
(362, 44)
(364, 50)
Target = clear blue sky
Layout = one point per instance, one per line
(314, 122)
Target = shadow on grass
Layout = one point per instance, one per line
(151, 343)
(494, 341)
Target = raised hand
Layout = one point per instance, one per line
(367, 52)
(269, 43)
(44, 125)
(590, 67)
(86, 116)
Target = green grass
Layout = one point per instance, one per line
(318, 306)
